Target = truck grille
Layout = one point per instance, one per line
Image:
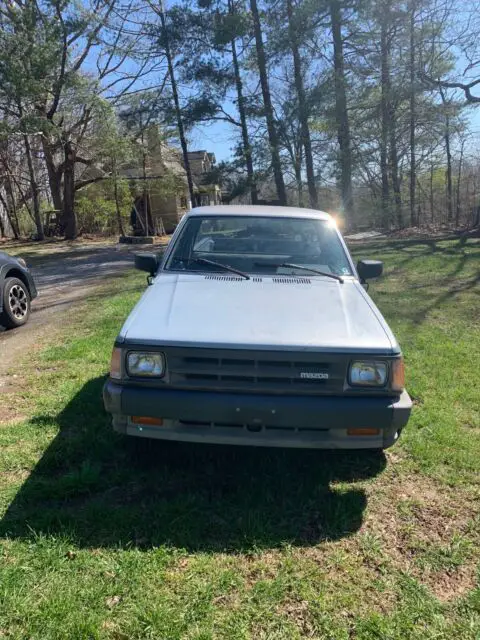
(270, 372)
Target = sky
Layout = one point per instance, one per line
(217, 137)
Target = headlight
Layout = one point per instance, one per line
(141, 363)
(368, 374)
(22, 262)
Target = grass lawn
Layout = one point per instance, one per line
(215, 542)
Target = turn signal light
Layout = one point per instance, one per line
(398, 375)
(116, 364)
(366, 431)
(147, 420)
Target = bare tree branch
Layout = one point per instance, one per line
(466, 88)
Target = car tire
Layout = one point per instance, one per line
(16, 303)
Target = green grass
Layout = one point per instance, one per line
(202, 542)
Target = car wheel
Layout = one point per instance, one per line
(16, 303)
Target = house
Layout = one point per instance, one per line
(159, 184)
(202, 165)
(165, 195)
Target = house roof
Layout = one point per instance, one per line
(200, 155)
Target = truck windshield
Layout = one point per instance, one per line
(259, 245)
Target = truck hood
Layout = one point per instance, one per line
(282, 312)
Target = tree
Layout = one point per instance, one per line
(213, 45)
(140, 116)
(247, 148)
(294, 37)
(267, 104)
(45, 53)
(360, 99)
(165, 42)
(290, 132)
(385, 112)
(342, 118)
(413, 115)
(458, 37)
(17, 89)
(115, 149)
(448, 172)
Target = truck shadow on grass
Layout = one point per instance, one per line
(92, 487)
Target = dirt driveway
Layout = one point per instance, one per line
(65, 275)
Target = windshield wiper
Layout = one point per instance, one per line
(303, 267)
(289, 265)
(212, 263)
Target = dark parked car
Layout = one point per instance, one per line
(17, 290)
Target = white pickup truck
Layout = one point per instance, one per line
(256, 329)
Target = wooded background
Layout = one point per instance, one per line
(364, 108)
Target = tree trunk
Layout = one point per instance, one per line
(413, 171)
(247, 149)
(267, 103)
(298, 180)
(394, 166)
(475, 209)
(13, 225)
(181, 130)
(22, 195)
(35, 189)
(385, 100)
(11, 208)
(389, 129)
(297, 165)
(54, 175)
(420, 204)
(476, 217)
(432, 212)
(343, 126)
(145, 214)
(448, 173)
(302, 107)
(459, 178)
(117, 206)
(149, 217)
(69, 219)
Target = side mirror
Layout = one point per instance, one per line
(369, 269)
(146, 262)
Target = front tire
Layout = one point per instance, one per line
(16, 303)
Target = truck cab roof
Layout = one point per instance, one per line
(259, 210)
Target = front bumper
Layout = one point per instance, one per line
(258, 420)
